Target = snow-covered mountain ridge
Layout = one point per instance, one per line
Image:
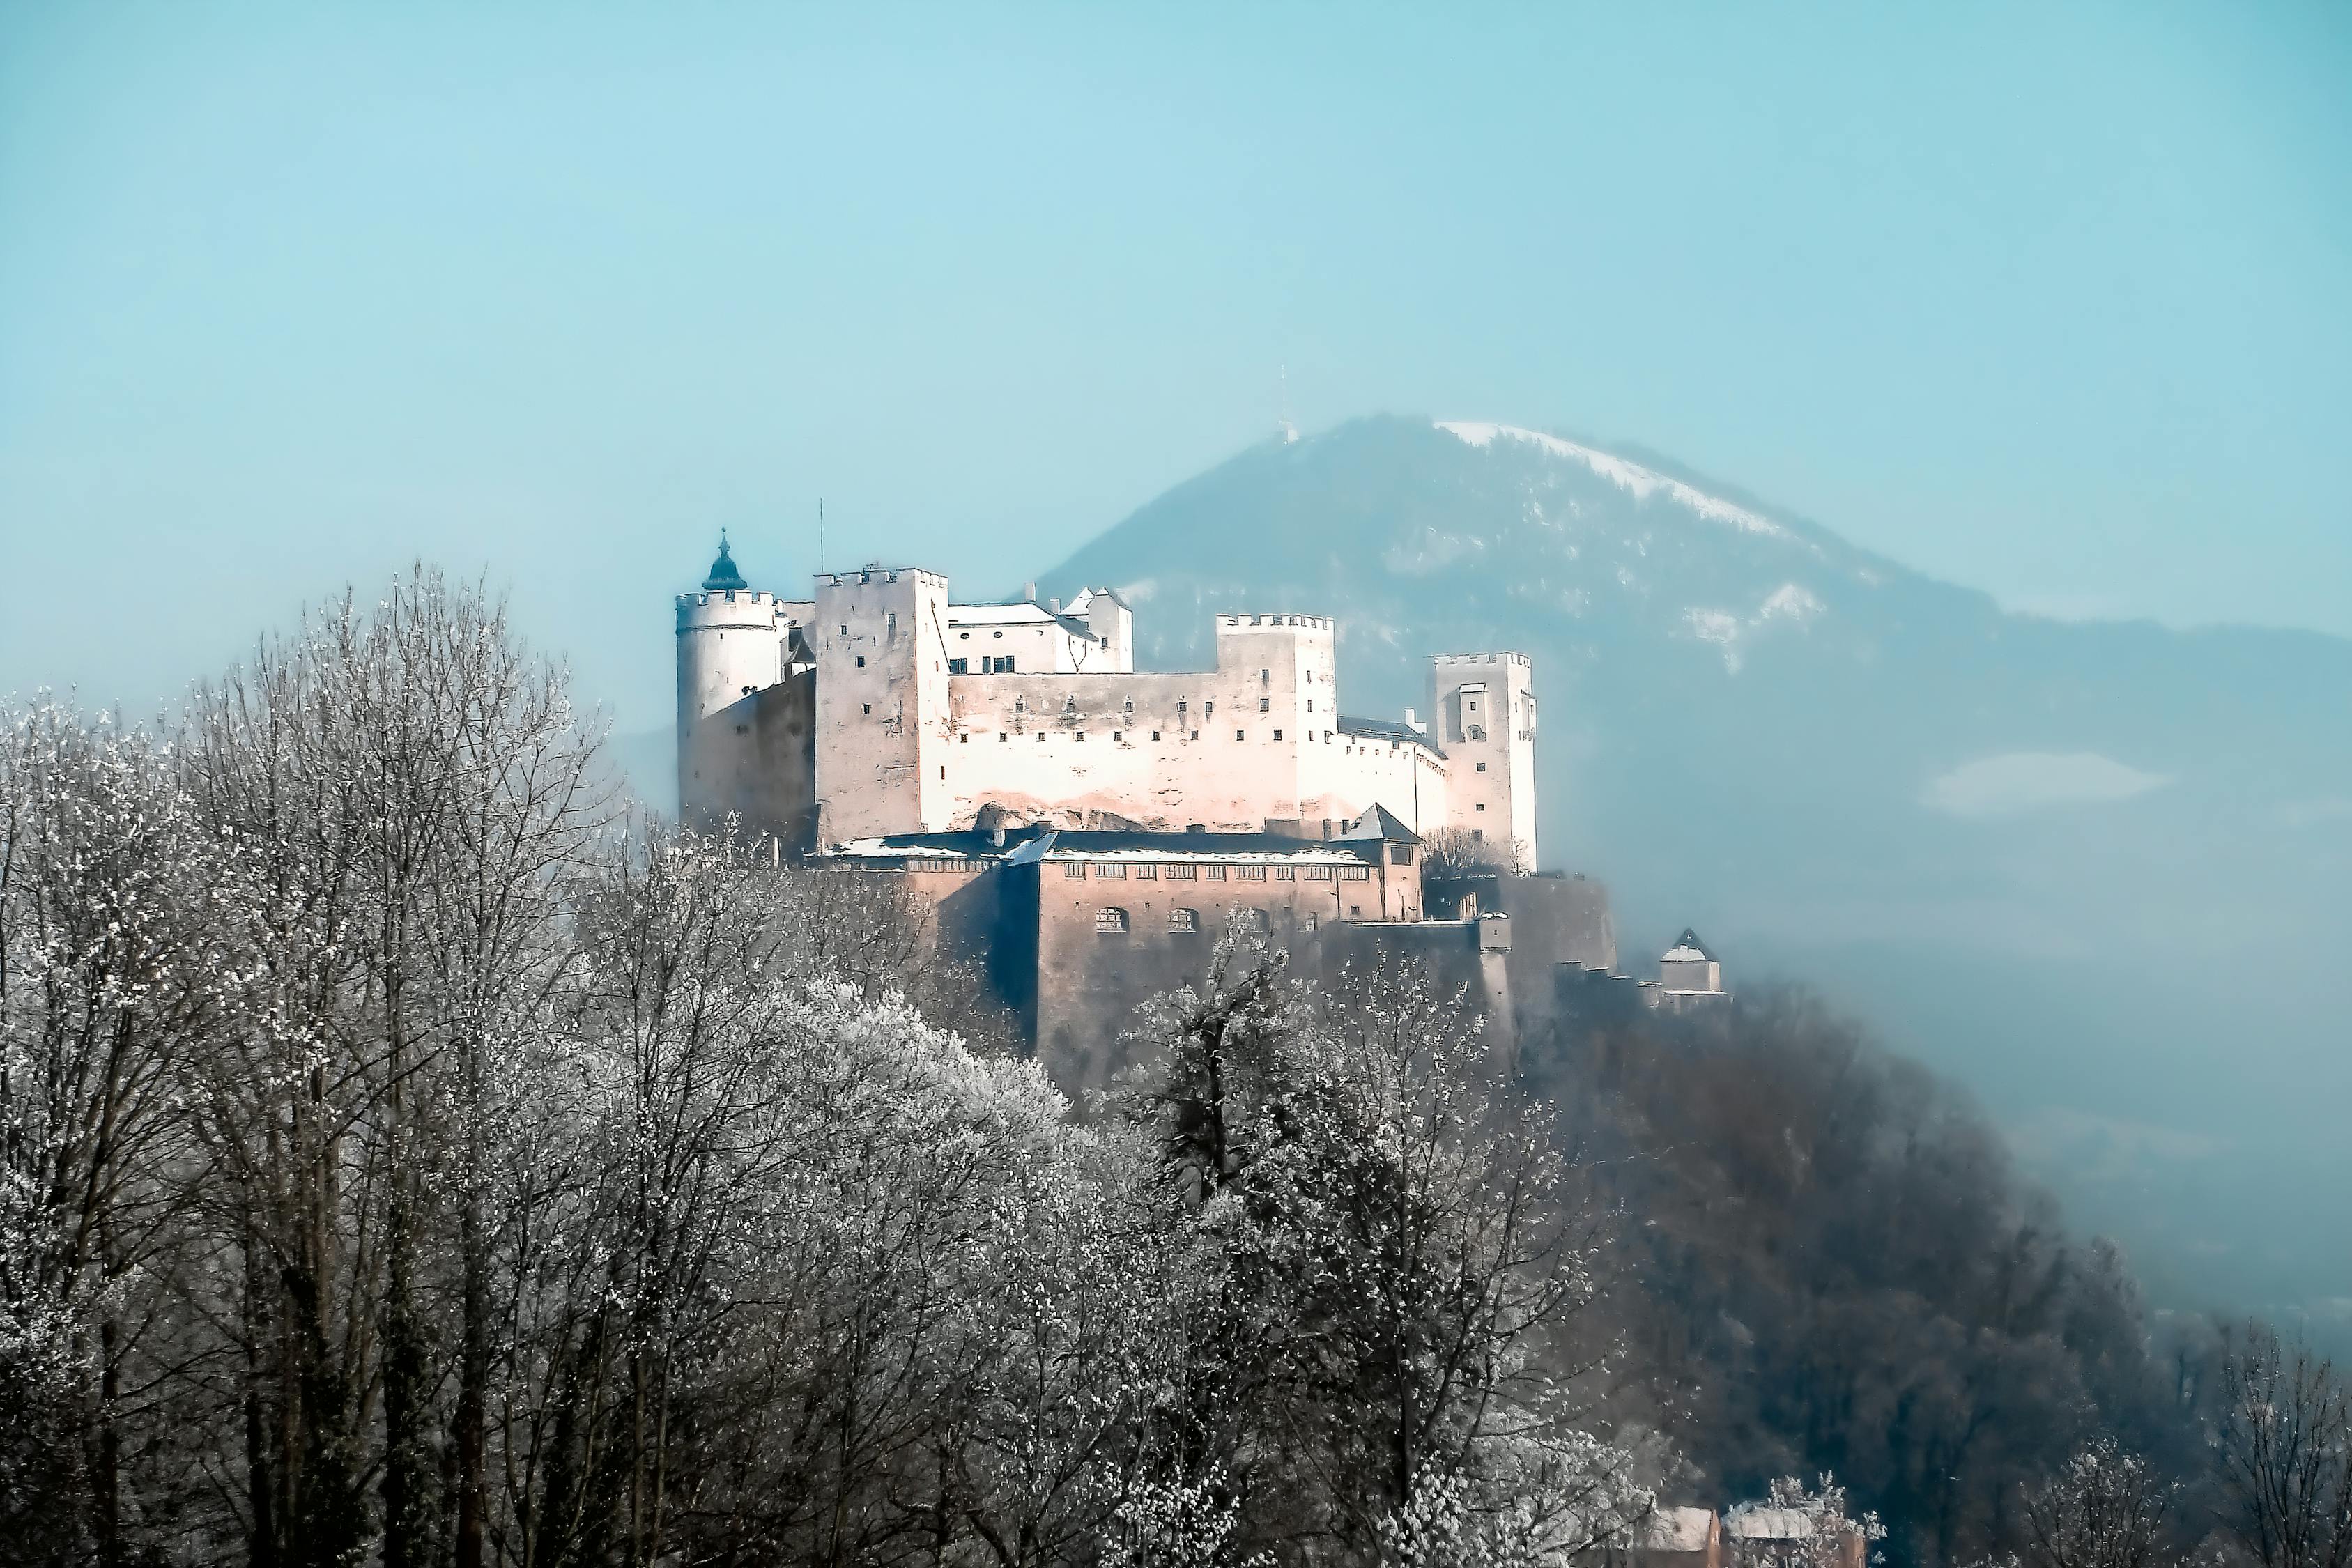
(2055, 859)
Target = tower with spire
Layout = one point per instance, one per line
(745, 732)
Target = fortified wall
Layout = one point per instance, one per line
(878, 706)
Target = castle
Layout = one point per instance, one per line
(1082, 828)
(880, 707)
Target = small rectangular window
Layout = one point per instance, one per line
(1249, 873)
(958, 667)
(1075, 868)
(1196, 735)
(865, 707)
(1117, 736)
(1113, 869)
(1482, 767)
(1146, 872)
(1241, 735)
(1285, 873)
(1265, 704)
(861, 661)
(1001, 737)
(1216, 873)
(1278, 735)
(1155, 734)
(1482, 805)
(1079, 736)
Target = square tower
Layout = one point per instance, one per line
(877, 638)
(1481, 710)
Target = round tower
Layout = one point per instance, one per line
(730, 648)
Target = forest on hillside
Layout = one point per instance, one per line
(413, 1154)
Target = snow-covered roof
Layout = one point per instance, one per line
(1687, 948)
(1387, 730)
(1020, 613)
(1028, 846)
(1751, 1521)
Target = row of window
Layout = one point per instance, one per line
(1004, 737)
(1112, 921)
(1180, 871)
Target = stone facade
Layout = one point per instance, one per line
(1074, 930)
(879, 707)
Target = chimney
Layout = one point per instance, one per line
(1029, 592)
(1415, 725)
(1056, 604)
(996, 835)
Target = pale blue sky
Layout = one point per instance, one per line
(2055, 302)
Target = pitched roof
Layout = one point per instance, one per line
(1687, 948)
(1381, 825)
(1382, 729)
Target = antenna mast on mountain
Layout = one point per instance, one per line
(1282, 424)
(820, 534)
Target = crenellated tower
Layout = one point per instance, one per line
(744, 729)
(1481, 710)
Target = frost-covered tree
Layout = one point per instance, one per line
(2104, 1507)
(2285, 1446)
(1393, 1259)
(1797, 1526)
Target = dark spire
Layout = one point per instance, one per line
(723, 573)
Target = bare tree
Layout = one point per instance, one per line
(2285, 1447)
(1468, 852)
(2104, 1507)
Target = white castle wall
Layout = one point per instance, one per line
(1483, 710)
(742, 735)
(882, 738)
(878, 638)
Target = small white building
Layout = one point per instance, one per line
(1688, 975)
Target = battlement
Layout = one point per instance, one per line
(729, 609)
(875, 573)
(905, 712)
(763, 598)
(1522, 660)
(1245, 621)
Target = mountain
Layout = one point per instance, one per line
(2098, 872)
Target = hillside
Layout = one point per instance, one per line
(2092, 871)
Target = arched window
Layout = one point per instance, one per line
(1251, 920)
(1477, 732)
(1183, 920)
(1109, 921)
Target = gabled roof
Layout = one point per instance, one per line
(1381, 825)
(1018, 613)
(1687, 948)
(1382, 729)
